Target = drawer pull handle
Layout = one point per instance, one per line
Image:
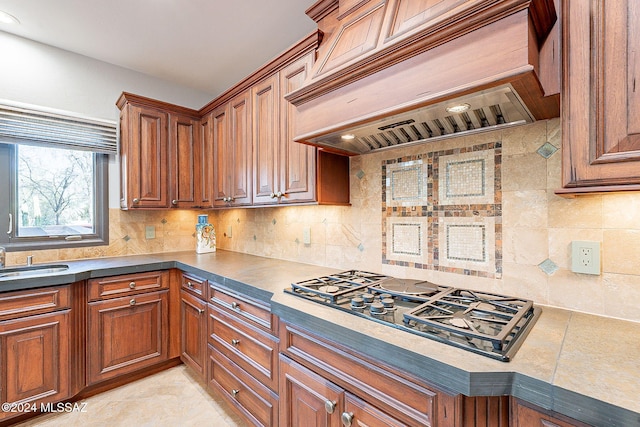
(200, 311)
(132, 285)
(235, 305)
(330, 406)
(189, 284)
(235, 392)
(347, 419)
(235, 342)
(132, 301)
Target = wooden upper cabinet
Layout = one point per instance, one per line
(264, 96)
(298, 161)
(232, 152)
(601, 99)
(160, 155)
(143, 157)
(186, 155)
(206, 165)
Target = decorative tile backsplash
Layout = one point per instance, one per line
(442, 210)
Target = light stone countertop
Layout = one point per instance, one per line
(584, 366)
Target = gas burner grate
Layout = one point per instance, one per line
(334, 286)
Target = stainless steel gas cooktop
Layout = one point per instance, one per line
(484, 323)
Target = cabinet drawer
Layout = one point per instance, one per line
(194, 285)
(129, 284)
(251, 348)
(255, 312)
(256, 402)
(34, 301)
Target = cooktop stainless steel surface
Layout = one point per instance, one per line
(485, 323)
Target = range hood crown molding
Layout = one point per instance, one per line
(466, 48)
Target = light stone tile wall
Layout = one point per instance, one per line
(537, 225)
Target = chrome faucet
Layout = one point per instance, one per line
(3, 256)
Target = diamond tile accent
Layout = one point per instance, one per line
(548, 266)
(360, 174)
(547, 150)
(126, 238)
(274, 221)
(164, 221)
(361, 247)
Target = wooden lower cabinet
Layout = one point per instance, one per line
(35, 349)
(35, 361)
(126, 334)
(193, 331)
(256, 403)
(526, 416)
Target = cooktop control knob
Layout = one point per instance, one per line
(377, 308)
(357, 302)
(387, 303)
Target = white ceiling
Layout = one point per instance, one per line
(208, 45)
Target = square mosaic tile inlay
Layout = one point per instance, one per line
(442, 211)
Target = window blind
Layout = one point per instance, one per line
(21, 124)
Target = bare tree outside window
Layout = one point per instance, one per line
(55, 191)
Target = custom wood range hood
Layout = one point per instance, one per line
(389, 71)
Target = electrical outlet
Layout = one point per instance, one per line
(149, 232)
(306, 235)
(229, 232)
(585, 257)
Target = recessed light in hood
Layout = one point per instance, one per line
(485, 110)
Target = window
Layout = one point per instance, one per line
(53, 179)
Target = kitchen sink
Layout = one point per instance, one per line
(34, 270)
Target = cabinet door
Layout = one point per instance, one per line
(206, 164)
(144, 158)
(222, 152)
(126, 334)
(35, 359)
(307, 399)
(528, 417)
(193, 326)
(185, 155)
(601, 102)
(240, 164)
(298, 161)
(357, 412)
(265, 103)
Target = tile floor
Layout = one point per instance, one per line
(170, 398)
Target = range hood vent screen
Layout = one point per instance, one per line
(489, 110)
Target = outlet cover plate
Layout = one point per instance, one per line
(149, 232)
(306, 235)
(585, 257)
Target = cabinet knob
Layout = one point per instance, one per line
(235, 305)
(136, 201)
(224, 199)
(132, 285)
(235, 392)
(272, 195)
(235, 342)
(330, 406)
(280, 194)
(132, 301)
(174, 202)
(347, 419)
(189, 285)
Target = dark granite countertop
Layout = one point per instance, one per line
(584, 366)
